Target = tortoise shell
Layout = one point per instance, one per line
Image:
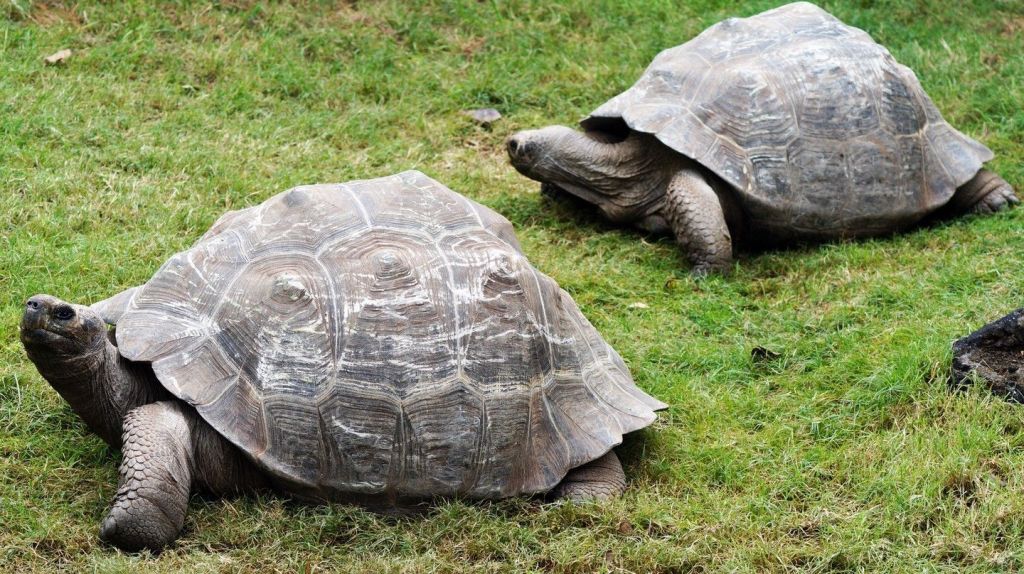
(812, 122)
(384, 336)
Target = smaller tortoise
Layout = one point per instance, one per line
(382, 341)
(788, 125)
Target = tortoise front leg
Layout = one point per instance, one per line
(156, 478)
(695, 214)
(599, 479)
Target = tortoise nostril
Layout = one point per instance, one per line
(32, 304)
(519, 148)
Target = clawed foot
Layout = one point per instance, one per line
(152, 494)
(703, 270)
(134, 523)
(995, 193)
(997, 200)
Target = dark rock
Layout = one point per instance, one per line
(761, 354)
(993, 355)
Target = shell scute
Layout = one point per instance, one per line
(280, 323)
(294, 443)
(420, 211)
(507, 353)
(447, 427)
(901, 114)
(366, 445)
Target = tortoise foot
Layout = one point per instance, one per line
(599, 479)
(138, 525)
(993, 193)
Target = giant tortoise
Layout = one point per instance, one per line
(788, 125)
(382, 342)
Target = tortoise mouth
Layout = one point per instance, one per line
(33, 321)
(35, 330)
(40, 337)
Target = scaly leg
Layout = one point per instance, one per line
(156, 478)
(985, 193)
(695, 214)
(993, 193)
(597, 480)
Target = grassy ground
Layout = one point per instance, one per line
(846, 454)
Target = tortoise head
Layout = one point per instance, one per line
(613, 167)
(57, 329)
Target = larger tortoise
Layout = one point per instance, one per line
(380, 341)
(788, 125)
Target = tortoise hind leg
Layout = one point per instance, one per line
(986, 193)
(599, 479)
(156, 478)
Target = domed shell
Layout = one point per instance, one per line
(384, 336)
(809, 119)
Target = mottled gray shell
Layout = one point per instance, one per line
(809, 119)
(383, 337)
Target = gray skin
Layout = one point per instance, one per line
(168, 449)
(635, 179)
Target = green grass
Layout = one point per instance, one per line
(846, 454)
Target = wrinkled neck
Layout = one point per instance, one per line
(101, 386)
(625, 179)
(586, 157)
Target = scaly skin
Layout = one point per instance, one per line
(994, 193)
(77, 358)
(636, 181)
(624, 180)
(167, 450)
(698, 222)
(599, 479)
(155, 479)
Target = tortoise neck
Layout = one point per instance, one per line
(101, 386)
(627, 179)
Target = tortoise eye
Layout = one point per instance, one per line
(64, 313)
